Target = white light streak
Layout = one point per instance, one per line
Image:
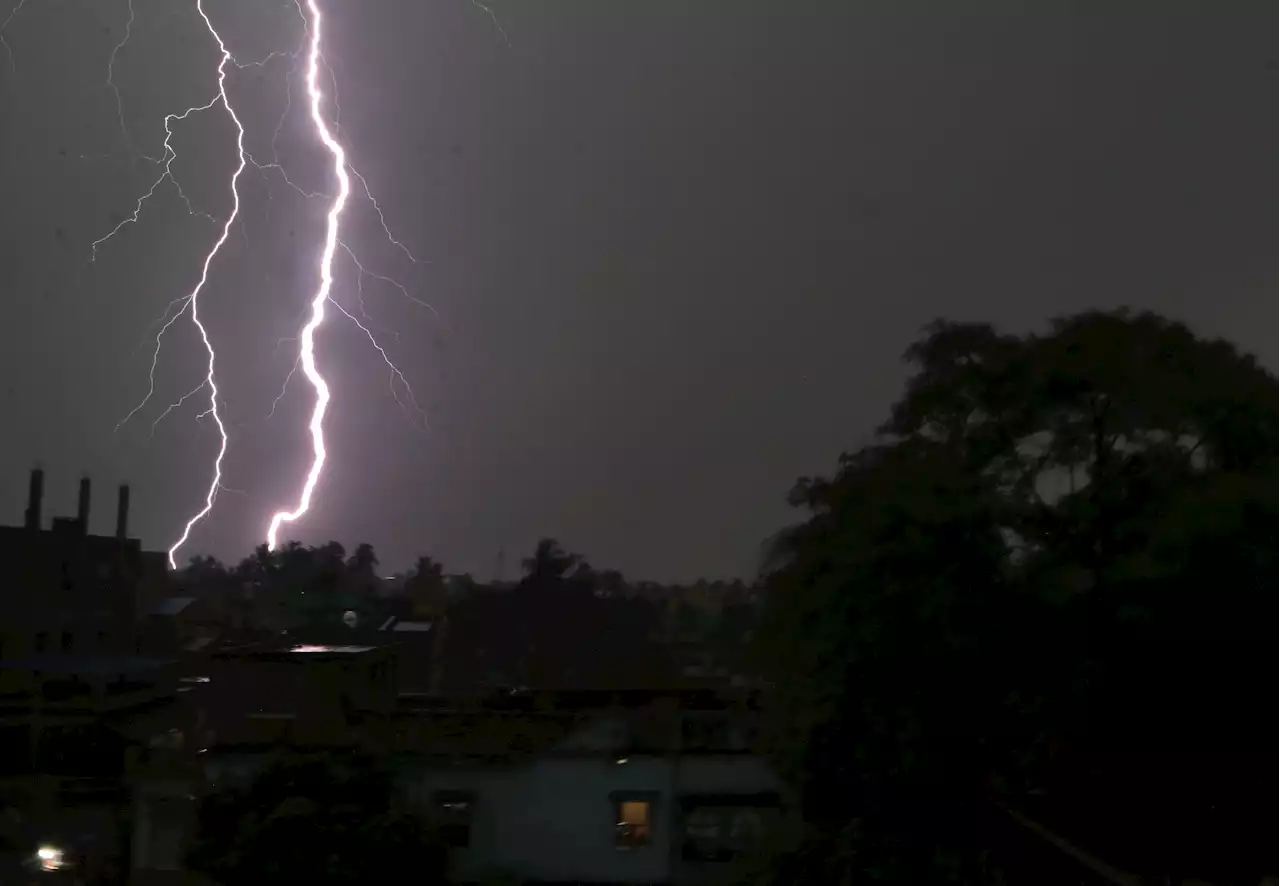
(307, 338)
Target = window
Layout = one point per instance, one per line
(721, 833)
(633, 819)
(720, 828)
(707, 732)
(454, 811)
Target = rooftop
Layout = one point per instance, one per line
(297, 652)
(173, 605)
(86, 665)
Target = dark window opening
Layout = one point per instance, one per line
(724, 828)
(453, 812)
(708, 732)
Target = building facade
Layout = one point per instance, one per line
(535, 787)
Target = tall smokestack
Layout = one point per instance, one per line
(82, 509)
(35, 497)
(122, 513)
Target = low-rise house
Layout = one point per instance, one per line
(550, 787)
(593, 787)
(71, 728)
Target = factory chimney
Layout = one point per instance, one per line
(82, 509)
(122, 513)
(35, 497)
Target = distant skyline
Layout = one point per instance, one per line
(673, 251)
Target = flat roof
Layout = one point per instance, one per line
(297, 652)
(86, 665)
(412, 626)
(173, 605)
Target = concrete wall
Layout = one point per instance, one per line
(163, 817)
(554, 818)
(727, 773)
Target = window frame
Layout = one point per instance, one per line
(454, 832)
(629, 841)
(723, 808)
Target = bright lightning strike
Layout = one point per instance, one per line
(307, 338)
(193, 299)
(328, 134)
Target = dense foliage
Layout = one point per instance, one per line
(321, 819)
(306, 590)
(1064, 540)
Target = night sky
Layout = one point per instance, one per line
(676, 248)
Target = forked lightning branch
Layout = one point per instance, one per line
(186, 307)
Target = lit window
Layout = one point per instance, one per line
(633, 821)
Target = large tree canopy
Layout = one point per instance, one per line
(1067, 537)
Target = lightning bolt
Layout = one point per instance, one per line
(306, 345)
(4, 26)
(189, 304)
(193, 300)
(111, 77)
(166, 160)
(488, 10)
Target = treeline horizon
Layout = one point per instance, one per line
(941, 636)
(548, 558)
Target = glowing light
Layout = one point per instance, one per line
(51, 858)
(193, 298)
(306, 345)
(189, 304)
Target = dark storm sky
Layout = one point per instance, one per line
(676, 247)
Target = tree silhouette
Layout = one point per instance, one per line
(363, 562)
(320, 819)
(550, 562)
(425, 588)
(1021, 562)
